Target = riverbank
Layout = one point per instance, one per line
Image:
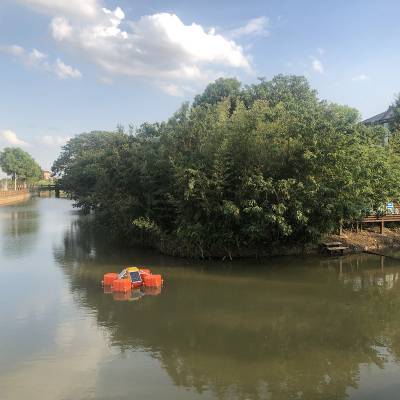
(367, 240)
(13, 197)
(357, 242)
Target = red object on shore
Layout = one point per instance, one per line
(154, 281)
(109, 278)
(121, 285)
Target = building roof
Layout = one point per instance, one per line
(381, 118)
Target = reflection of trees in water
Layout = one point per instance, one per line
(78, 241)
(87, 246)
(19, 225)
(300, 334)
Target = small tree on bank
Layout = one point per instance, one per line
(19, 164)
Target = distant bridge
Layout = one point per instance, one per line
(49, 188)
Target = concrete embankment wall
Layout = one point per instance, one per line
(12, 197)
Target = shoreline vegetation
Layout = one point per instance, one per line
(242, 171)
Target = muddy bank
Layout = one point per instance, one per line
(367, 240)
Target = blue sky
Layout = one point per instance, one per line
(69, 66)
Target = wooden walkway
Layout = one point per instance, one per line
(381, 220)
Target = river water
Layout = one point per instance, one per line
(286, 328)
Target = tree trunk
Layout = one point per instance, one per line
(15, 181)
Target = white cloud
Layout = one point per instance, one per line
(61, 29)
(360, 78)
(76, 8)
(256, 26)
(37, 59)
(317, 65)
(52, 141)
(158, 47)
(64, 71)
(10, 138)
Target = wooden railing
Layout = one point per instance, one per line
(381, 219)
(378, 218)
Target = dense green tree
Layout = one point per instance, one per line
(289, 90)
(217, 91)
(20, 165)
(237, 172)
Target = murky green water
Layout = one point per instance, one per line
(280, 329)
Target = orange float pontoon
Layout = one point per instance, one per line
(121, 285)
(153, 281)
(109, 278)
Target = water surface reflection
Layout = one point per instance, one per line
(286, 328)
(19, 226)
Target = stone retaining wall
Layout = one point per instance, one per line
(12, 197)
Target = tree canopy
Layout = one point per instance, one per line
(19, 164)
(238, 171)
(218, 91)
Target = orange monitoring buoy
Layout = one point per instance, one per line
(121, 285)
(109, 278)
(131, 278)
(154, 281)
